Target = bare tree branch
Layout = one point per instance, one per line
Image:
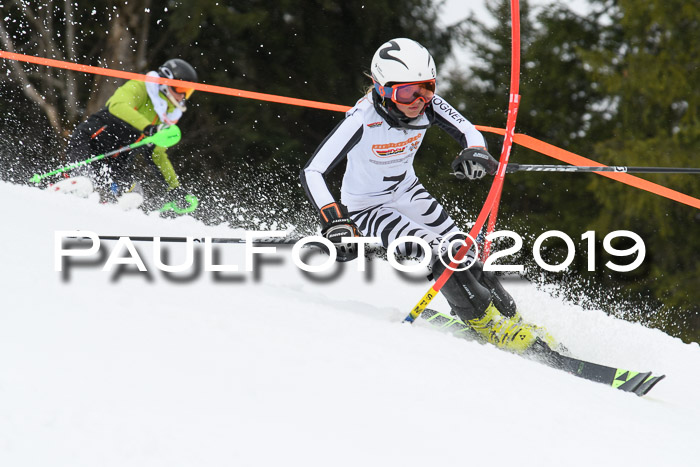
(71, 90)
(49, 29)
(141, 60)
(27, 87)
(120, 48)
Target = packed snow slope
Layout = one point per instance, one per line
(276, 367)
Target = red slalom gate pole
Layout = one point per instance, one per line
(513, 105)
(494, 196)
(461, 253)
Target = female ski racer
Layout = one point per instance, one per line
(382, 197)
(135, 110)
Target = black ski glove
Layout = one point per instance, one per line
(335, 225)
(151, 130)
(474, 163)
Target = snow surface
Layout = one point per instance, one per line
(275, 368)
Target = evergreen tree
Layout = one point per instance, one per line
(615, 86)
(558, 105)
(649, 69)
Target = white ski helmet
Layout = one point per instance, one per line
(402, 61)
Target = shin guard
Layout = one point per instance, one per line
(501, 298)
(467, 297)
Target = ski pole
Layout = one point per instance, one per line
(575, 168)
(235, 240)
(258, 241)
(166, 137)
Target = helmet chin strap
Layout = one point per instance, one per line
(393, 116)
(169, 95)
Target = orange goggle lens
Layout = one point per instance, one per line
(186, 91)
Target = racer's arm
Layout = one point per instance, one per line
(335, 223)
(126, 100)
(474, 161)
(455, 124)
(328, 155)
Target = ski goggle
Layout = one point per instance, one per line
(408, 93)
(164, 71)
(180, 90)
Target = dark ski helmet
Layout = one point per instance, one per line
(176, 68)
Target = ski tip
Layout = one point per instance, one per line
(648, 384)
(35, 179)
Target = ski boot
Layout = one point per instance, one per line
(505, 333)
(79, 186)
(542, 333)
(132, 198)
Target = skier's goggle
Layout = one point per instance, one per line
(180, 90)
(408, 93)
(165, 72)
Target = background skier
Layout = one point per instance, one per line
(136, 109)
(382, 197)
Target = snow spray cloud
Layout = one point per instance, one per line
(96, 255)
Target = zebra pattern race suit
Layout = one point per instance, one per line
(380, 189)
